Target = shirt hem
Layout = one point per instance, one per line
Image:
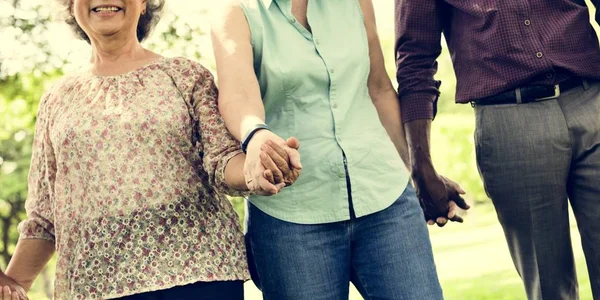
(339, 216)
(244, 277)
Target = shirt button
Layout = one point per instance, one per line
(527, 22)
(539, 54)
(292, 20)
(334, 105)
(316, 41)
(331, 71)
(549, 76)
(341, 174)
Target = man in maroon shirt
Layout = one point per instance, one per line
(531, 70)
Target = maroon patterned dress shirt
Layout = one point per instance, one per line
(495, 46)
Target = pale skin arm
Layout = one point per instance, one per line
(30, 257)
(240, 100)
(382, 92)
(386, 102)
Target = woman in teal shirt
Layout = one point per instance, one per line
(315, 70)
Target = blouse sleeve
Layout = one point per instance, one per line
(219, 145)
(39, 204)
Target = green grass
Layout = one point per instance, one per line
(474, 263)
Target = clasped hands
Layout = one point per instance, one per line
(439, 196)
(10, 289)
(272, 163)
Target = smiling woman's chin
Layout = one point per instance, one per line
(106, 32)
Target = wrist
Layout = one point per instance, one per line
(422, 168)
(252, 134)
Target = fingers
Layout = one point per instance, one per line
(7, 294)
(19, 294)
(441, 221)
(275, 148)
(250, 183)
(460, 202)
(278, 155)
(457, 219)
(266, 188)
(269, 176)
(293, 143)
(292, 149)
(456, 186)
(452, 209)
(269, 163)
(453, 213)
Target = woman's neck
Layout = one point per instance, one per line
(114, 57)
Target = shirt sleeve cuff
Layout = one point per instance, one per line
(221, 185)
(33, 229)
(416, 106)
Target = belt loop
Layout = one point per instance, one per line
(586, 85)
(518, 92)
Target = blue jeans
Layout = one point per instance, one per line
(386, 255)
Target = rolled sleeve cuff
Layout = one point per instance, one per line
(36, 229)
(416, 106)
(221, 184)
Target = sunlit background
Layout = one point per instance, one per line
(36, 48)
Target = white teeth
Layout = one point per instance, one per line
(103, 9)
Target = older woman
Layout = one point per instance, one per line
(128, 164)
(315, 69)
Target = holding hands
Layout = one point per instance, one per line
(440, 198)
(10, 289)
(272, 163)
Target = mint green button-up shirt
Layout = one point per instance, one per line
(314, 87)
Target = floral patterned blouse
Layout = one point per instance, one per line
(127, 176)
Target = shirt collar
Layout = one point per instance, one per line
(267, 3)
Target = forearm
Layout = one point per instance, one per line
(418, 136)
(240, 100)
(419, 26)
(388, 109)
(234, 173)
(30, 257)
(240, 111)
